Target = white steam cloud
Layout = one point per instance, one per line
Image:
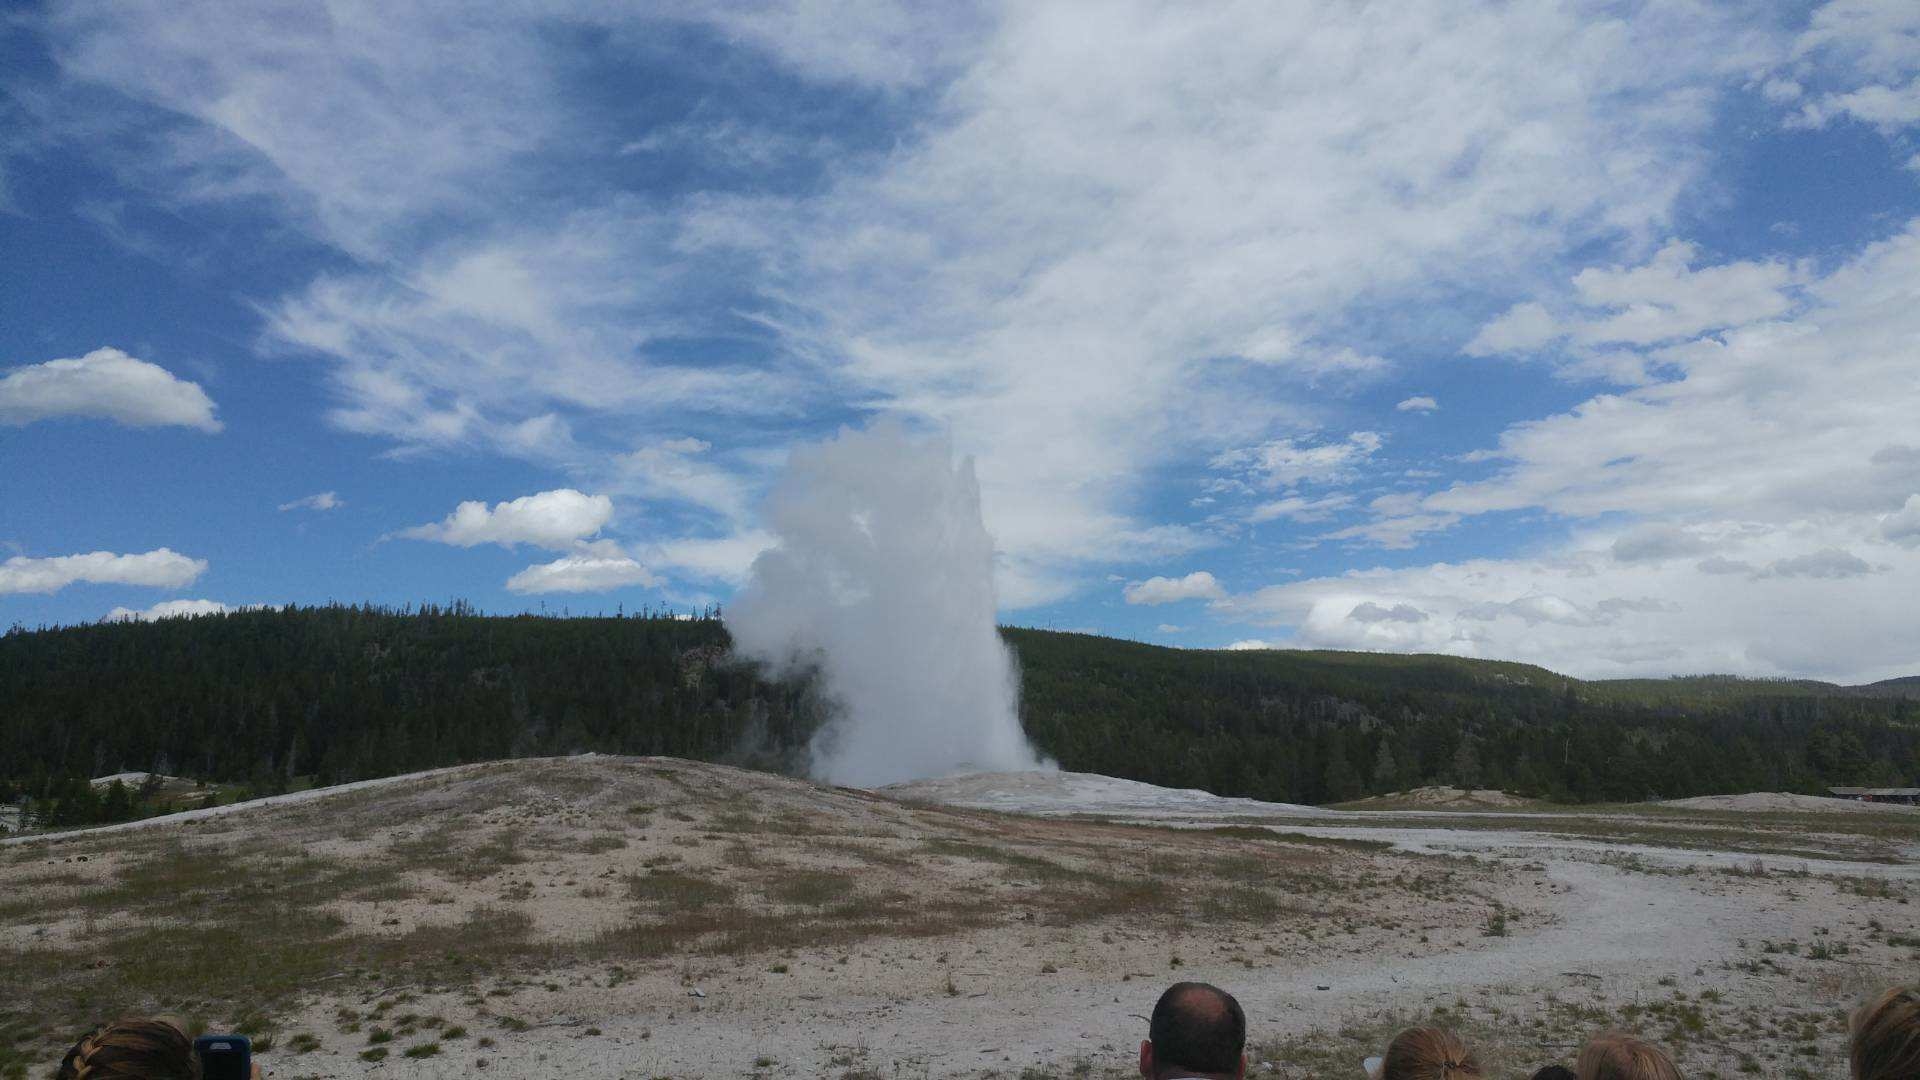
(882, 580)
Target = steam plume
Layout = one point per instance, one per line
(882, 578)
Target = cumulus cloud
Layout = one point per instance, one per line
(160, 568)
(596, 572)
(167, 609)
(1420, 403)
(1199, 585)
(104, 383)
(1248, 644)
(557, 519)
(325, 500)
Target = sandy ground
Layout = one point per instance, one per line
(1592, 929)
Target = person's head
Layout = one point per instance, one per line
(1196, 1030)
(1886, 1036)
(1619, 1056)
(1553, 1072)
(1428, 1054)
(134, 1048)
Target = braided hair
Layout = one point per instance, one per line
(132, 1048)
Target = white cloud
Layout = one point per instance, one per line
(1663, 300)
(1759, 471)
(1368, 612)
(1397, 531)
(1300, 508)
(1199, 585)
(1651, 543)
(726, 559)
(104, 383)
(167, 609)
(1579, 609)
(1871, 49)
(1058, 264)
(1169, 628)
(1522, 328)
(325, 500)
(1245, 644)
(1290, 461)
(1531, 610)
(557, 519)
(1766, 421)
(582, 573)
(159, 568)
(1903, 526)
(677, 470)
(1420, 403)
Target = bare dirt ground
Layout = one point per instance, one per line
(653, 917)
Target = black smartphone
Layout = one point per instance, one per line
(224, 1057)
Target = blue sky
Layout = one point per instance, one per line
(1582, 334)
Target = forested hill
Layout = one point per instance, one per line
(272, 698)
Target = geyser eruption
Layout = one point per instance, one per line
(882, 580)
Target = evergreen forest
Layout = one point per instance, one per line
(264, 701)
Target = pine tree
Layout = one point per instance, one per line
(1386, 771)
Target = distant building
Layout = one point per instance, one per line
(1908, 796)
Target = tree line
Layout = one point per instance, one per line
(265, 700)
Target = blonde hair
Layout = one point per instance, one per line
(1617, 1055)
(1886, 1036)
(1428, 1054)
(132, 1048)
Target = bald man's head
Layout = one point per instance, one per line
(1197, 1028)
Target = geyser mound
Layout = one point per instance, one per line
(881, 581)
